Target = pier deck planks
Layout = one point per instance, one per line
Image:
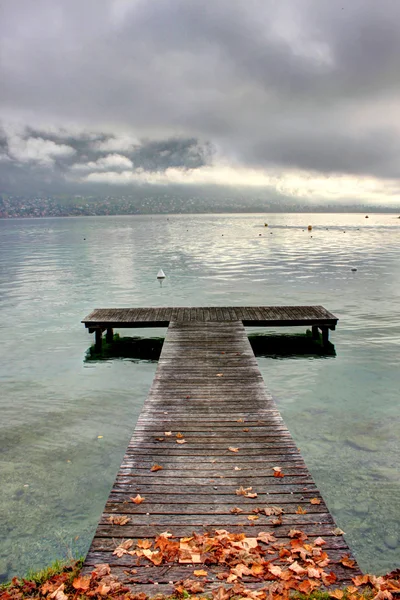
(268, 316)
(209, 388)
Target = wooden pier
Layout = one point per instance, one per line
(214, 431)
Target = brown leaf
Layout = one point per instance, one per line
(181, 442)
(236, 510)
(237, 468)
(315, 501)
(240, 421)
(243, 491)
(200, 573)
(338, 594)
(123, 548)
(297, 568)
(179, 435)
(254, 495)
(297, 533)
(58, 594)
(253, 517)
(246, 429)
(348, 562)
(319, 541)
(81, 583)
(273, 510)
(232, 449)
(278, 474)
(167, 433)
(118, 520)
(144, 544)
(360, 580)
(338, 531)
(277, 521)
(275, 570)
(154, 556)
(138, 499)
(219, 375)
(300, 511)
(266, 537)
(156, 468)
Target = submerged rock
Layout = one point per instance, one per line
(391, 540)
(362, 442)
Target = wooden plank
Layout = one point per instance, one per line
(208, 390)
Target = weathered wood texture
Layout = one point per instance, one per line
(208, 388)
(250, 315)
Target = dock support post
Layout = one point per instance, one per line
(109, 335)
(315, 332)
(325, 336)
(98, 339)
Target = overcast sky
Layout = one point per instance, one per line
(301, 97)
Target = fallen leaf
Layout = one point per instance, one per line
(273, 510)
(58, 594)
(232, 449)
(138, 499)
(237, 468)
(275, 570)
(219, 375)
(337, 594)
(167, 433)
(278, 474)
(300, 511)
(240, 421)
(123, 548)
(144, 544)
(315, 501)
(338, 531)
(118, 520)
(200, 573)
(236, 510)
(81, 583)
(243, 491)
(156, 468)
(360, 580)
(181, 442)
(277, 521)
(348, 562)
(154, 556)
(266, 537)
(253, 517)
(297, 533)
(179, 435)
(319, 541)
(246, 429)
(160, 439)
(251, 495)
(296, 568)
(277, 469)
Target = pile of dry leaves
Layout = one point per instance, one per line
(225, 566)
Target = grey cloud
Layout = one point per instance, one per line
(308, 84)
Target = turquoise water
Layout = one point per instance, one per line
(343, 411)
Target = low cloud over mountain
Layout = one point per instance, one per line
(299, 97)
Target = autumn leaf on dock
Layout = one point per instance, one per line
(138, 499)
(116, 520)
(156, 468)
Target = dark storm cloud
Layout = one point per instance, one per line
(307, 84)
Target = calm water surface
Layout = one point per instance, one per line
(343, 411)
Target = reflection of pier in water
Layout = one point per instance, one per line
(208, 391)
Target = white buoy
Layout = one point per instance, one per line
(160, 274)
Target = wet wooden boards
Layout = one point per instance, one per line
(209, 389)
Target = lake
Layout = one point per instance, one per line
(65, 422)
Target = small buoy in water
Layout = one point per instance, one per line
(309, 228)
(366, 216)
(354, 269)
(160, 274)
(266, 224)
